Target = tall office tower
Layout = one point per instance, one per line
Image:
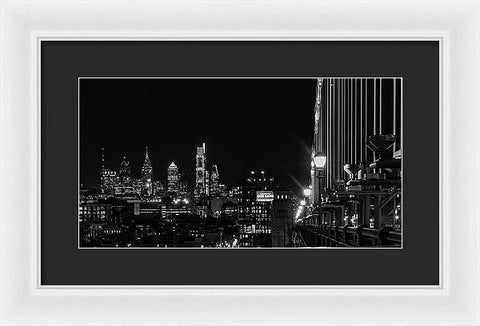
(108, 180)
(200, 169)
(158, 188)
(107, 177)
(124, 171)
(147, 174)
(254, 221)
(214, 185)
(182, 185)
(103, 162)
(102, 172)
(172, 179)
(282, 217)
(207, 183)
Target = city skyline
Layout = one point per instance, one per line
(235, 132)
(150, 171)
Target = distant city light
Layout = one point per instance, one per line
(299, 212)
(307, 192)
(303, 202)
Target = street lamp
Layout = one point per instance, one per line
(320, 160)
(307, 192)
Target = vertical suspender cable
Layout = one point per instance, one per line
(375, 112)
(374, 106)
(328, 130)
(361, 120)
(347, 121)
(334, 102)
(355, 122)
(327, 81)
(366, 121)
(380, 115)
(329, 155)
(331, 133)
(322, 116)
(401, 115)
(335, 136)
(320, 112)
(351, 121)
(394, 111)
(343, 122)
(345, 129)
(337, 110)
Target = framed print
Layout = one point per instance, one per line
(257, 163)
(228, 172)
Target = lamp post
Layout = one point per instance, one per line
(319, 161)
(306, 193)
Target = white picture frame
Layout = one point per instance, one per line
(455, 24)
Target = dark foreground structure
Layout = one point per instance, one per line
(354, 198)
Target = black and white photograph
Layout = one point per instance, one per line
(240, 162)
(287, 163)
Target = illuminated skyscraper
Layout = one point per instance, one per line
(108, 181)
(124, 181)
(172, 178)
(107, 177)
(182, 184)
(147, 174)
(214, 177)
(200, 172)
(124, 171)
(207, 183)
(158, 188)
(257, 195)
(282, 217)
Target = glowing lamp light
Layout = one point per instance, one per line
(303, 202)
(307, 192)
(320, 160)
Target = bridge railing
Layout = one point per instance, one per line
(349, 236)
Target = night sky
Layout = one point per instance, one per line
(247, 124)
